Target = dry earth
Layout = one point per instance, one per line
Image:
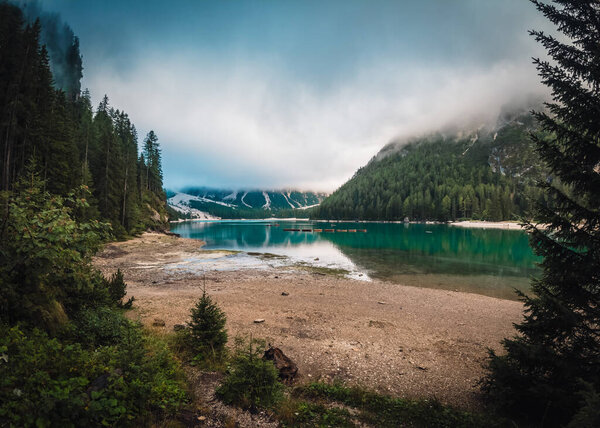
(405, 341)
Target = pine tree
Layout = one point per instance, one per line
(558, 346)
(206, 333)
(153, 163)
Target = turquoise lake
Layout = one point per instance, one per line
(485, 261)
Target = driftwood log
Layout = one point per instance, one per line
(287, 368)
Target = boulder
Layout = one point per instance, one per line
(286, 367)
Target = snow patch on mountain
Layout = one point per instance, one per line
(287, 196)
(267, 201)
(232, 196)
(244, 202)
(181, 203)
(308, 206)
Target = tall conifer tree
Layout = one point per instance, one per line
(557, 351)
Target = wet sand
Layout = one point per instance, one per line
(405, 341)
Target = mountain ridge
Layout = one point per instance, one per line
(210, 203)
(485, 173)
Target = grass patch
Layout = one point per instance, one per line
(267, 256)
(302, 413)
(376, 409)
(320, 270)
(220, 252)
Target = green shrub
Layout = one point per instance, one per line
(93, 327)
(251, 382)
(46, 382)
(588, 415)
(206, 335)
(42, 381)
(117, 290)
(45, 257)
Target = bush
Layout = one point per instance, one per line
(93, 327)
(251, 381)
(588, 415)
(205, 334)
(45, 257)
(47, 382)
(117, 290)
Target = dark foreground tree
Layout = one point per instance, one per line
(550, 373)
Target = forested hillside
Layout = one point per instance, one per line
(71, 143)
(487, 175)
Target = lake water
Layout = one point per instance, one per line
(485, 261)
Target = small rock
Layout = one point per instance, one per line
(259, 321)
(316, 259)
(422, 368)
(285, 293)
(276, 276)
(179, 327)
(382, 303)
(201, 418)
(158, 322)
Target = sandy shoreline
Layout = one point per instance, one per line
(512, 225)
(406, 341)
(481, 224)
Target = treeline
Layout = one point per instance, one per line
(71, 144)
(68, 355)
(435, 179)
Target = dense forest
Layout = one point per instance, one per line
(71, 143)
(488, 175)
(70, 180)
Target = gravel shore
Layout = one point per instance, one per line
(404, 341)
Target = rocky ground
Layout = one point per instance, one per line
(404, 341)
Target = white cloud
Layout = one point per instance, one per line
(244, 124)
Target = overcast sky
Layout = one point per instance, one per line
(279, 94)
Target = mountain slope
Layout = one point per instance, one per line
(483, 174)
(205, 203)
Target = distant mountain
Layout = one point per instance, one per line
(487, 173)
(206, 203)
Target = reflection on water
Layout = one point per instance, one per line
(484, 261)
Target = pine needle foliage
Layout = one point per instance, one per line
(206, 334)
(251, 382)
(540, 376)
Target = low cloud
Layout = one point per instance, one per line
(246, 124)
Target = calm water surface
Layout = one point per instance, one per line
(485, 261)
